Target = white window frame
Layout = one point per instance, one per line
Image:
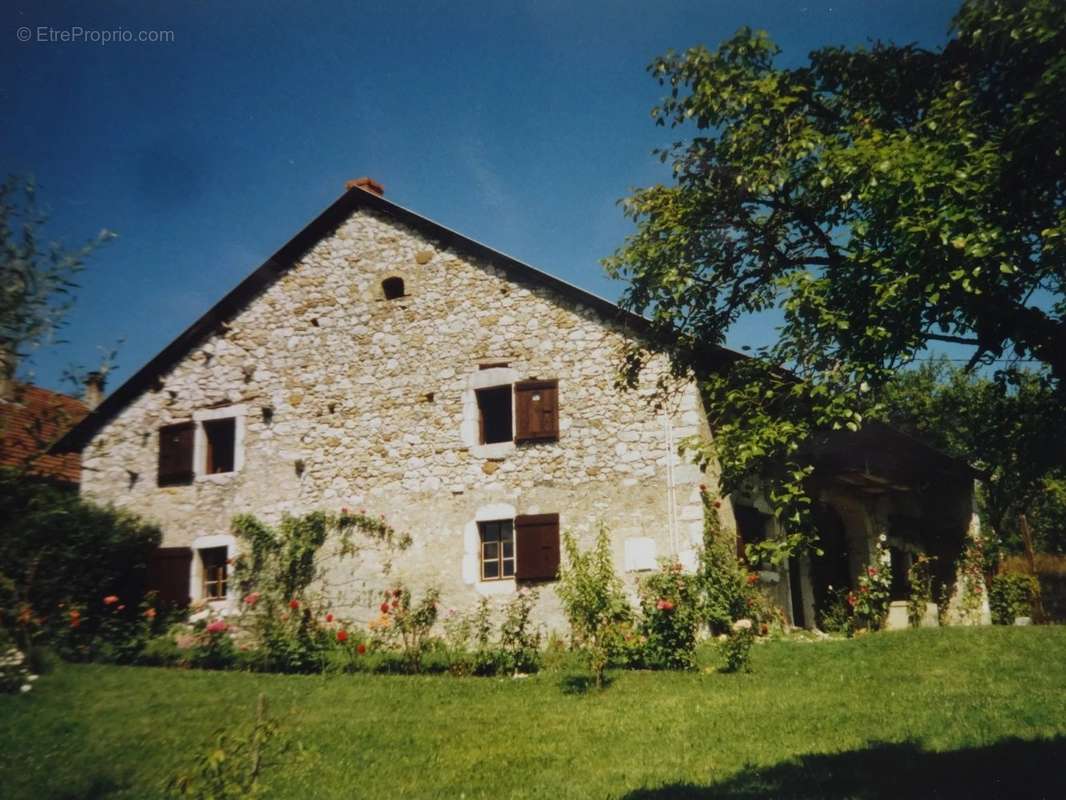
(470, 429)
(494, 512)
(199, 453)
(196, 570)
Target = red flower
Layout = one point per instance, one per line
(664, 605)
(342, 636)
(396, 592)
(294, 603)
(344, 510)
(150, 613)
(703, 487)
(218, 626)
(360, 648)
(329, 618)
(111, 599)
(851, 599)
(252, 599)
(717, 503)
(752, 579)
(384, 608)
(871, 571)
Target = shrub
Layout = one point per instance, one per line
(1011, 596)
(871, 599)
(722, 580)
(91, 551)
(920, 578)
(408, 623)
(519, 640)
(231, 769)
(669, 602)
(593, 600)
(15, 675)
(835, 615)
(737, 646)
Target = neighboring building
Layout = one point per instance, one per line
(32, 419)
(380, 361)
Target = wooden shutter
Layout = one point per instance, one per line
(536, 411)
(537, 547)
(168, 574)
(175, 453)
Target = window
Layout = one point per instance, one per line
(176, 454)
(497, 549)
(494, 413)
(220, 436)
(392, 288)
(213, 561)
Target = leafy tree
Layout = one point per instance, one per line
(879, 199)
(1012, 428)
(36, 276)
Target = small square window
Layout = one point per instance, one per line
(497, 549)
(494, 412)
(213, 561)
(221, 437)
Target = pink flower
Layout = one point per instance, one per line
(150, 613)
(121, 607)
(251, 599)
(342, 636)
(218, 626)
(111, 599)
(871, 571)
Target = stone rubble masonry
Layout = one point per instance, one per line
(352, 400)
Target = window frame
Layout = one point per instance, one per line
(215, 573)
(201, 459)
(498, 538)
(211, 445)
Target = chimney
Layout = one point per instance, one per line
(367, 185)
(94, 389)
(8, 362)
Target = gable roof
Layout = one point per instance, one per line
(30, 422)
(354, 198)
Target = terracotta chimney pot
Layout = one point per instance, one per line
(367, 185)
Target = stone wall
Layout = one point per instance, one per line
(345, 398)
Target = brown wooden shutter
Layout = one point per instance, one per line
(175, 453)
(537, 547)
(168, 574)
(536, 411)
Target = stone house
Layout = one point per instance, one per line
(381, 361)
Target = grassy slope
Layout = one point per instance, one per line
(874, 717)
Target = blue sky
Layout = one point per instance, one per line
(518, 124)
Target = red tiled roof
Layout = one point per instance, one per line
(30, 423)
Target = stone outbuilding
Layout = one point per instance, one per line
(382, 362)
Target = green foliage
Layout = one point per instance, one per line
(1011, 596)
(836, 615)
(724, 584)
(870, 600)
(36, 275)
(409, 622)
(920, 577)
(276, 574)
(1011, 428)
(59, 552)
(736, 648)
(879, 199)
(970, 582)
(670, 616)
(232, 768)
(519, 638)
(594, 601)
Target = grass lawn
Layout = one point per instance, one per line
(928, 713)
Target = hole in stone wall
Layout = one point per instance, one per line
(392, 288)
(332, 407)
(314, 321)
(132, 477)
(268, 414)
(428, 397)
(299, 466)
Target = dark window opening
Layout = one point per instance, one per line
(497, 550)
(494, 411)
(492, 365)
(392, 287)
(175, 454)
(221, 436)
(751, 528)
(213, 560)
